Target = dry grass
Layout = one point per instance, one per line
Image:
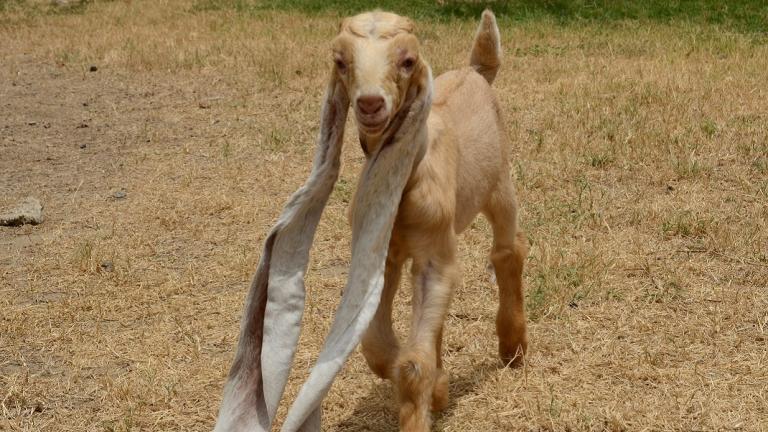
(641, 155)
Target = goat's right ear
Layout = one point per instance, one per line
(333, 114)
(271, 321)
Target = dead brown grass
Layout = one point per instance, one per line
(642, 165)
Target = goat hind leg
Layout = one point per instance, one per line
(508, 257)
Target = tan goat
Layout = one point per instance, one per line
(436, 156)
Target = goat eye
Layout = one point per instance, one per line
(408, 64)
(340, 65)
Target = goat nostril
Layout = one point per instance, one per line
(370, 104)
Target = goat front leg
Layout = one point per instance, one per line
(420, 381)
(379, 345)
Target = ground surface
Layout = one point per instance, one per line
(640, 153)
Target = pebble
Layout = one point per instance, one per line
(28, 211)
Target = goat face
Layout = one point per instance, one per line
(376, 57)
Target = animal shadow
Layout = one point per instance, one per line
(377, 411)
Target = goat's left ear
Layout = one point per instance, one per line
(334, 110)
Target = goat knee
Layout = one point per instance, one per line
(379, 353)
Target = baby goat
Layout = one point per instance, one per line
(436, 156)
(461, 169)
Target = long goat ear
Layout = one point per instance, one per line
(379, 192)
(271, 321)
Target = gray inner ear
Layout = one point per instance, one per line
(272, 316)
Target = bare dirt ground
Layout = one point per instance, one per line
(641, 157)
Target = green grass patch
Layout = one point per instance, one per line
(553, 289)
(14, 12)
(686, 224)
(50, 8)
(599, 160)
(690, 167)
(741, 15)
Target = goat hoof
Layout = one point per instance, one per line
(512, 353)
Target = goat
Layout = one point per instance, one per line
(436, 157)
(463, 171)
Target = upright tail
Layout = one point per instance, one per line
(486, 50)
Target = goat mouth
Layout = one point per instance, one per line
(371, 125)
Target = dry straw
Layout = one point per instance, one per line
(641, 158)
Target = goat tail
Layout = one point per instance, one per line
(486, 49)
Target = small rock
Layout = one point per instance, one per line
(670, 188)
(29, 211)
(93, 68)
(82, 125)
(204, 104)
(82, 146)
(107, 266)
(32, 123)
(119, 194)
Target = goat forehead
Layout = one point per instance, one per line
(371, 60)
(378, 25)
